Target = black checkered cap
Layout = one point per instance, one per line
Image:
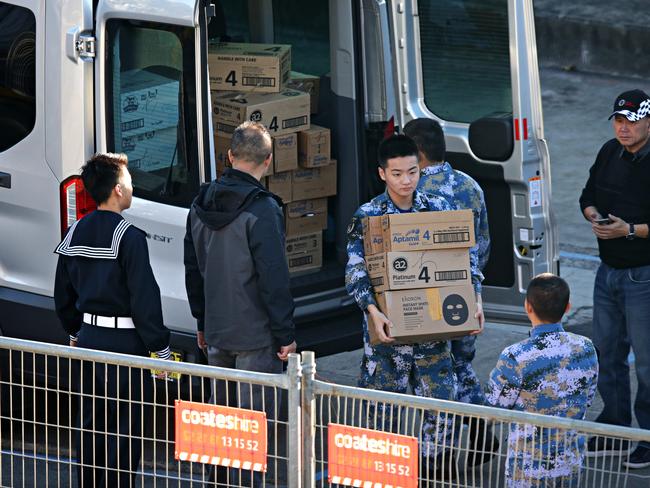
(633, 104)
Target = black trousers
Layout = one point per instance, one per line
(110, 410)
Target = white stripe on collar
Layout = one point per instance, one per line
(93, 252)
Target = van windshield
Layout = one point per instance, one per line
(151, 100)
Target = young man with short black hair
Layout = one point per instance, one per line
(107, 298)
(426, 367)
(553, 373)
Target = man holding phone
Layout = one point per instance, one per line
(616, 201)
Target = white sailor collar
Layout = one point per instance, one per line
(66, 249)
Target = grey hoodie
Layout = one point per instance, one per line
(236, 272)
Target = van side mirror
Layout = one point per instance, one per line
(491, 137)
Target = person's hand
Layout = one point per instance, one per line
(591, 213)
(286, 350)
(481, 318)
(73, 343)
(618, 228)
(200, 341)
(381, 324)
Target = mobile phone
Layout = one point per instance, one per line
(604, 221)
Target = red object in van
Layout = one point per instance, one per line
(76, 202)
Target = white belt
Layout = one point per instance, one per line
(110, 322)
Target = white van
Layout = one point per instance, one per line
(470, 64)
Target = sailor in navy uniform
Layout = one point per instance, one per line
(107, 298)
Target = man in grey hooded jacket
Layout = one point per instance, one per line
(236, 272)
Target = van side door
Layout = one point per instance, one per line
(472, 66)
(150, 92)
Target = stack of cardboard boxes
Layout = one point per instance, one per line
(255, 82)
(419, 268)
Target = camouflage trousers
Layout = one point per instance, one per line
(463, 351)
(428, 370)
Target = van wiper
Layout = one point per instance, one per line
(167, 188)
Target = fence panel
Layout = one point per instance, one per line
(76, 417)
(519, 449)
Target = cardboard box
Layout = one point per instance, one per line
(422, 230)
(304, 252)
(263, 68)
(222, 142)
(151, 151)
(285, 152)
(148, 102)
(419, 269)
(429, 314)
(281, 113)
(314, 182)
(280, 184)
(314, 147)
(373, 239)
(309, 84)
(306, 216)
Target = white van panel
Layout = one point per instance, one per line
(178, 12)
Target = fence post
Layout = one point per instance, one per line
(294, 459)
(308, 419)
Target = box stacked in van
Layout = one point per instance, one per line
(419, 268)
(255, 82)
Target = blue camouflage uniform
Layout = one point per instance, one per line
(553, 373)
(463, 192)
(426, 367)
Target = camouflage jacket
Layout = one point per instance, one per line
(463, 192)
(357, 281)
(553, 373)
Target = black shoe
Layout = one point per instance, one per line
(639, 459)
(606, 446)
(483, 444)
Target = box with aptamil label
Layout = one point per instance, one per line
(280, 184)
(148, 102)
(281, 113)
(428, 314)
(314, 148)
(306, 216)
(304, 252)
(422, 230)
(314, 182)
(285, 152)
(418, 269)
(263, 68)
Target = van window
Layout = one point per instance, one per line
(465, 58)
(17, 74)
(151, 107)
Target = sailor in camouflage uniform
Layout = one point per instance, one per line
(437, 177)
(426, 367)
(554, 373)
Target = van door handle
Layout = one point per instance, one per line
(5, 180)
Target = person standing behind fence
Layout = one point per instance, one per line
(427, 367)
(616, 201)
(107, 298)
(437, 177)
(236, 272)
(553, 373)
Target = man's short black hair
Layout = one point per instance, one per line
(548, 295)
(397, 146)
(101, 173)
(429, 137)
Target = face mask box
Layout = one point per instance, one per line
(246, 67)
(419, 231)
(281, 113)
(418, 269)
(428, 315)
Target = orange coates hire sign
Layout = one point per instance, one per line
(225, 436)
(365, 457)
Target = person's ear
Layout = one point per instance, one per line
(527, 306)
(568, 307)
(230, 157)
(382, 173)
(118, 190)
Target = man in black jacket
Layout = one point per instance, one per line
(236, 272)
(616, 201)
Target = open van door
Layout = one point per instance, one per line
(152, 104)
(472, 65)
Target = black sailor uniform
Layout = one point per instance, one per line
(104, 270)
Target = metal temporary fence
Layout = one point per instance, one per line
(78, 417)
